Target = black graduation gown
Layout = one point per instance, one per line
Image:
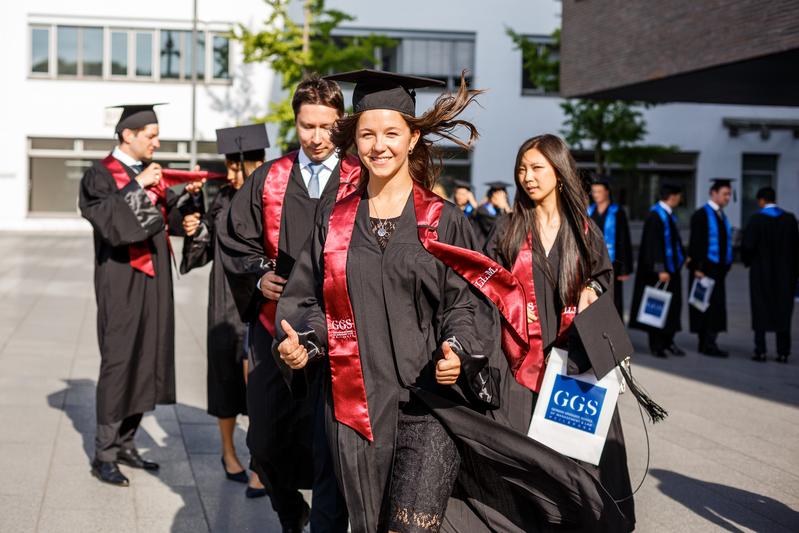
(612, 470)
(714, 319)
(770, 249)
(227, 396)
(623, 262)
(135, 312)
(281, 427)
(484, 220)
(651, 261)
(405, 303)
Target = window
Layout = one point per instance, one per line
(40, 50)
(546, 62)
(176, 54)
(435, 58)
(144, 54)
(221, 58)
(757, 170)
(79, 51)
(91, 52)
(170, 54)
(119, 53)
(67, 51)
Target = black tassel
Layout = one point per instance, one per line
(655, 412)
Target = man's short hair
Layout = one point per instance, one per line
(318, 91)
(767, 194)
(135, 131)
(252, 155)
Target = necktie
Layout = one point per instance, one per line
(137, 168)
(313, 183)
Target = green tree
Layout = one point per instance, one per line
(294, 50)
(613, 128)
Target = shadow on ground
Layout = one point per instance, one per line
(729, 508)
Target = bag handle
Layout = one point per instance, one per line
(664, 283)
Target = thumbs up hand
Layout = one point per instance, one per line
(448, 368)
(291, 351)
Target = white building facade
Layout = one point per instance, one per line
(83, 56)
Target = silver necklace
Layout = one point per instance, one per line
(381, 224)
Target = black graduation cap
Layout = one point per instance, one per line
(241, 139)
(601, 179)
(377, 89)
(722, 182)
(462, 184)
(497, 185)
(135, 116)
(670, 188)
(603, 335)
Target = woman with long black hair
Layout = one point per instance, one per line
(570, 269)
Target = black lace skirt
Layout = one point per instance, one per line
(426, 463)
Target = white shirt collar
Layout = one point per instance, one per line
(769, 205)
(714, 205)
(329, 163)
(124, 158)
(665, 206)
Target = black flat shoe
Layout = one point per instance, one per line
(760, 358)
(782, 358)
(253, 493)
(132, 459)
(302, 521)
(675, 350)
(660, 354)
(108, 472)
(715, 351)
(239, 477)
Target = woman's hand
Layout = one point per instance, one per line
(272, 286)
(195, 186)
(449, 368)
(291, 351)
(587, 297)
(191, 223)
(531, 316)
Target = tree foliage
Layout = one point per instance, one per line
(614, 129)
(293, 54)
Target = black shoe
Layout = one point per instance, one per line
(302, 521)
(660, 353)
(715, 351)
(759, 357)
(108, 472)
(782, 358)
(132, 459)
(239, 477)
(673, 348)
(253, 493)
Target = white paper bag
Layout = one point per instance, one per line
(573, 413)
(654, 307)
(701, 291)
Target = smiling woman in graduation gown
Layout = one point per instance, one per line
(405, 302)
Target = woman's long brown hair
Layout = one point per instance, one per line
(440, 122)
(576, 230)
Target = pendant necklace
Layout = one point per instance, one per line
(381, 224)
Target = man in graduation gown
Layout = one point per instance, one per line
(244, 148)
(710, 254)
(612, 221)
(463, 197)
(287, 453)
(133, 287)
(496, 205)
(770, 249)
(660, 259)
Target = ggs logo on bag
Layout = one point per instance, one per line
(575, 403)
(654, 307)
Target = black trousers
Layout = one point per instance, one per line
(111, 438)
(660, 339)
(783, 342)
(707, 339)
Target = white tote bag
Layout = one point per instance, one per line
(655, 305)
(701, 291)
(573, 413)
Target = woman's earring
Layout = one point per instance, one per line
(410, 150)
(560, 186)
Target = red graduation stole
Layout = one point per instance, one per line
(348, 389)
(140, 257)
(528, 367)
(275, 185)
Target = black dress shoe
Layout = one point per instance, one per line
(239, 477)
(108, 472)
(660, 353)
(715, 351)
(253, 492)
(782, 358)
(132, 459)
(673, 348)
(302, 521)
(759, 357)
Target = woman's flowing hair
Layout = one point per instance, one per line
(440, 122)
(576, 233)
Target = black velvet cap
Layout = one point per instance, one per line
(722, 182)
(377, 89)
(461, 184)
(497, 185)
(135, 116)
(240, 139)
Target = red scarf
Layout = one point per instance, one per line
(349, 392)
(140, 257)
(528, 366)
(275, 185)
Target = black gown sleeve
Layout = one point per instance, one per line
(652, 255)
(749, 241)
(198, 249)
(241, 245)
(118, 216)
(624, 244)
(491, 246)
(698, 245)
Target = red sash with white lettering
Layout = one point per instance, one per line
(499, 285)
(140, 257)
(531, 365)
(275, 185)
